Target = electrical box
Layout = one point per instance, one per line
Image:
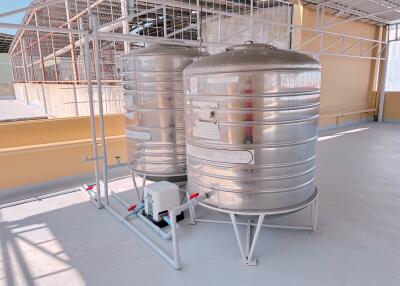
(159, 199)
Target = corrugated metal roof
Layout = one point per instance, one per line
(5, 42)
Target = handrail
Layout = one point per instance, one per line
(28, 148)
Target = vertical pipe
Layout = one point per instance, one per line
(175, 246)
(125, 23)
(165, 20)
(73, 56)
(96, 52)
(52, 46)
(377, 61)
(86, 59)
(25, 69)
(41, 64)
(383, 84)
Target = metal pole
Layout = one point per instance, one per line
(96, 52)
(237, 233)
(73, 56)
(255, 238)
(41, 65)
(86, 59)
(125, 24)
(24, 60)
(383, 85)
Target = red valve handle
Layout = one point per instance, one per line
(194, 195)
(132, 207)
(88, 188)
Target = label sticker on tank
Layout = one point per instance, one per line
(204, 129)
(140, 135)
(193, 85)
(225, 79)
(221, 156)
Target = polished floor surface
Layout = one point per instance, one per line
(64, 240)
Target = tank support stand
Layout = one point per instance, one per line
(247, 249)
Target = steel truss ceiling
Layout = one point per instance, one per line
(378, 12)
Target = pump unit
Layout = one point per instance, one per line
(159, 199)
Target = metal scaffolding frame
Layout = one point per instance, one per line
(53, 53)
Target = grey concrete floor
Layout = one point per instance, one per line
(12, 110)
(66, 241)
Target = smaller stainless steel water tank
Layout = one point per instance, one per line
(251, 118)
(152, 86)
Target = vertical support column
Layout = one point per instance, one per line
(73, 56)
(125, 23)
(165, 21)
(377, 64)
(41, 65)
(383, 84)
(52, 46)
(96, 52)
(23, 51)
(86, 58)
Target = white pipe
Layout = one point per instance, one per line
(254, 224)
(163, 234)
(96, 51)
(193, 202)
(136, 231)
(39, 198)
(88, 74)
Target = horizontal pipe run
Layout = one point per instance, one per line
(42, 29)
(145, 239)
(39, 198)
(254, 224)
(163, 234)
(348, 113)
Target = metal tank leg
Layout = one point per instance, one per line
(251, 243)
(192, 211)
(314, 215)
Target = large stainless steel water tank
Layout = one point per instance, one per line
(251, 118)
(152, 83)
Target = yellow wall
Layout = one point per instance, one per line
(33, 152)
(346, 82)
(392, 106)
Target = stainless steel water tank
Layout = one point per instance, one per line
(152, 84)
(251, 118)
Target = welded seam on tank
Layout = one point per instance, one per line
(202, 71)
(178, 128)
(227, 146)
(247, 166)
(259, 122)
(219, 189)
(249, 178)
(237, 110)
(256, 96)
(272, 108)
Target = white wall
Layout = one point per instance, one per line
(60, 99)
(236, 30)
